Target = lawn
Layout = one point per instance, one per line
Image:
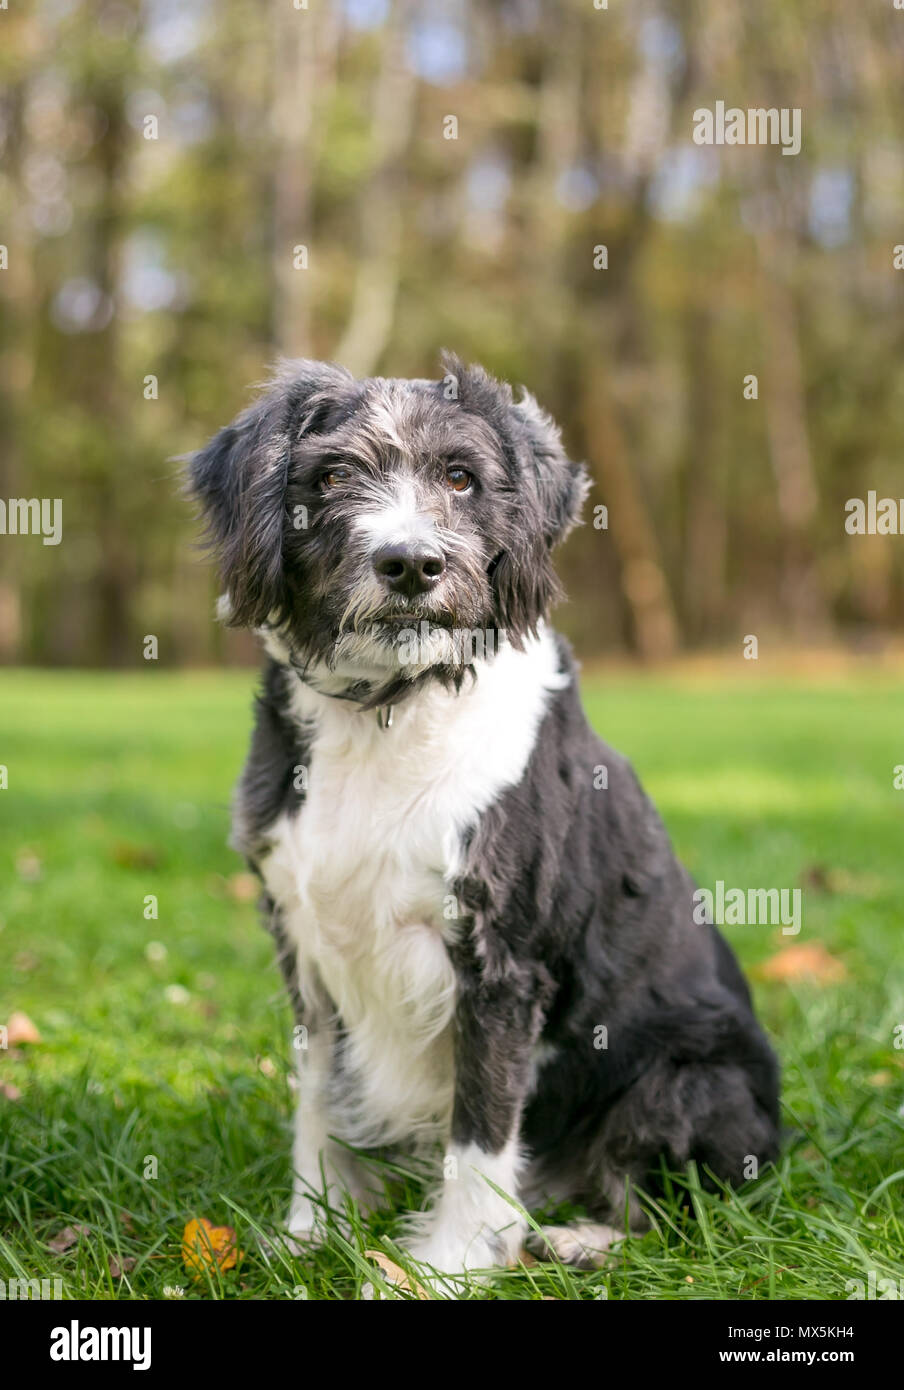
(160, 1089)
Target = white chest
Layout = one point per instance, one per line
(364, 873)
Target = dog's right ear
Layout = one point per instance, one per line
(240, 479)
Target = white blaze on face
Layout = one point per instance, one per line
(401, 520)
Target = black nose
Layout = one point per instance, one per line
(409, 568)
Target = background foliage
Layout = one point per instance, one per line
(323, 127)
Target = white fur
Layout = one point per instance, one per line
(400, 518)
(363, 874)
(471, 1226)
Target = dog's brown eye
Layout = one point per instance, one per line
(336, 477)
(459, 479)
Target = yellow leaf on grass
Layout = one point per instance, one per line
(206, 1246)
(394, 1273)
(805, 960)
(243, 888)
(20, 1029)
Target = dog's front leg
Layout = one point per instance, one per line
(323, 1170)
(310, 1140)
(497, 1023)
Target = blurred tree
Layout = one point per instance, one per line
(516, 181)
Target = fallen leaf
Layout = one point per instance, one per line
(10, 1092)
(881, 1078)
(20, 1029)
(815, 877)
(243, 888)
(130, 856)
(394, 1274)
(805, 960)
(120, 1267)
(206, 1246)
(28, 866)
(855, 884)
(66, 1238)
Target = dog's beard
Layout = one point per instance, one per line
(347, 636)
(385, 654)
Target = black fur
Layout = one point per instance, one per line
(585, 911)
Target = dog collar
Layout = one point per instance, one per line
(356, 693)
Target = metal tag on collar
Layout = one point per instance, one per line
(384, 721)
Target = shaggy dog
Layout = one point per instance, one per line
(488, 942)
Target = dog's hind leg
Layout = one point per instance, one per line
(583, 1244)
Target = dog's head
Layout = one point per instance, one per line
(368, 525)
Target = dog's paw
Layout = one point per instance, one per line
(584, 1245)
(447, 1262)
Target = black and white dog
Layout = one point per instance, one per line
(488, 941)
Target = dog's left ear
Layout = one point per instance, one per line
(548, 491)
(240, 479)
(552, 489)
(562, 485)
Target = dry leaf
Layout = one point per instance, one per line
(20, 1029)
(815, 877)
(805, 960)
(28, 866)
(66, 1238)
(120, 1267)
(10, 1092)
(131, 856)
(205, 1246)
(394, 1274)
(855, 884)
(244, 888)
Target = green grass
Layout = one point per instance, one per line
(169, 1040)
